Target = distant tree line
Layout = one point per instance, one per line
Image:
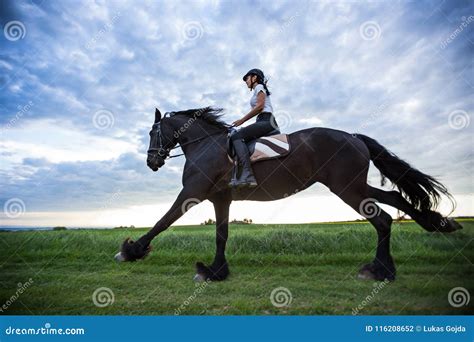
(125, 227)
(234, 221)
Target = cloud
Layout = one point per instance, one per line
(88, 185)
(395, 71)
(59, 141)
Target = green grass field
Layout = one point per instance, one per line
(317, 263)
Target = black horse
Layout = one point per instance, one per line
(335, 158)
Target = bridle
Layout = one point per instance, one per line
(164, 152)
(160, 150)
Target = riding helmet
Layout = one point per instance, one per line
(256, 72)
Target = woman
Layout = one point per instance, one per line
(265, 123)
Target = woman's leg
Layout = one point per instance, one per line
(253, 131)
(239, 140)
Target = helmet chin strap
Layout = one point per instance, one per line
(251, 85)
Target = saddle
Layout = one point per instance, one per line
(271, 145)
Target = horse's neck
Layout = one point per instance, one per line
(198, 133)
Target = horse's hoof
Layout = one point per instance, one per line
(454, 225)
(366, 275)
(376, 272)
(119, 257)
(199, 278)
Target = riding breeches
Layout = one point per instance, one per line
(265, 123)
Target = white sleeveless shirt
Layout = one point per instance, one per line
(268, 103)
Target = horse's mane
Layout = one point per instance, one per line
(209, 114)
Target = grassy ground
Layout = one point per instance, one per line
(317, 263)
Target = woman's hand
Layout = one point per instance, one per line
(237, 122)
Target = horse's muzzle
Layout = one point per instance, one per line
(155, 163)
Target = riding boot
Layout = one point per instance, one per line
(246, 176)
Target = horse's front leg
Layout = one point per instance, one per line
(219, 269)
(133, 250)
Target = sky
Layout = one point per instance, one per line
(79, 81)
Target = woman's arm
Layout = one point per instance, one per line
(255, 110)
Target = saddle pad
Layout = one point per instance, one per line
(270, 147)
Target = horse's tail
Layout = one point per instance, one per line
(421, 190)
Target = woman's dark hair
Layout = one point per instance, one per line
(263, 82)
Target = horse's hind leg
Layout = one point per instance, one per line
(382, 267)
(356, 195)
(428, 219)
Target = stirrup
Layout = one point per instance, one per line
(238, 183)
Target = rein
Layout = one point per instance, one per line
(190, 142)
(160, 148)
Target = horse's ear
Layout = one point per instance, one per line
(157, 115)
